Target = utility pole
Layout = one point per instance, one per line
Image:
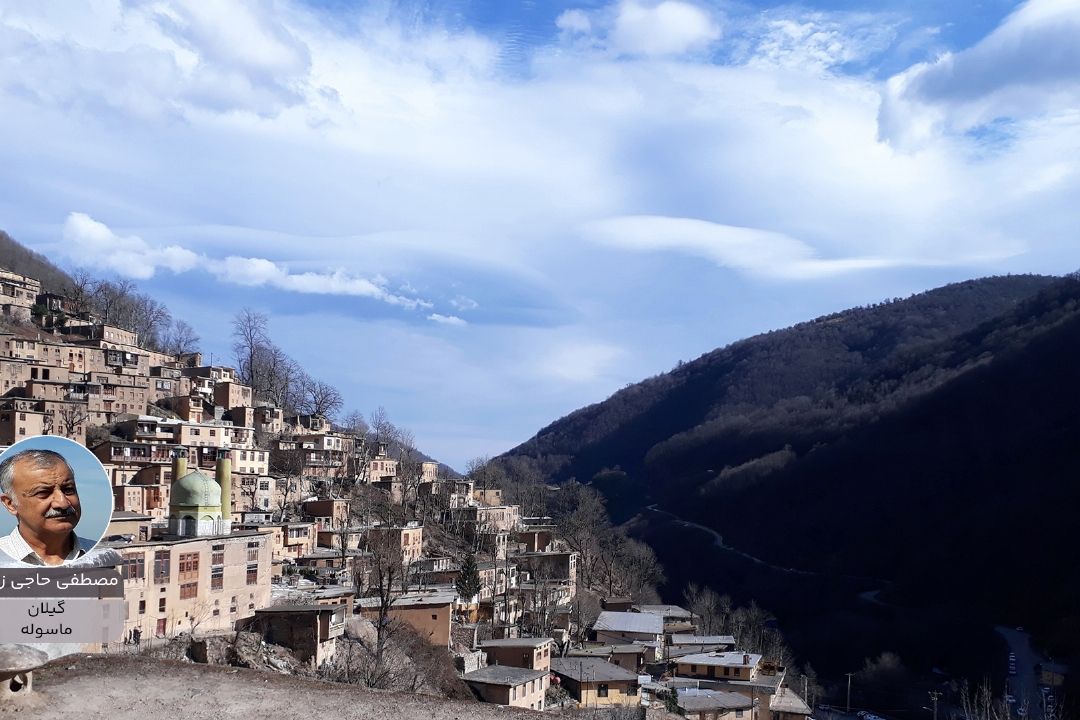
(934, 695)
(848, 692)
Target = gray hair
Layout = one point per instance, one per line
(39, 458)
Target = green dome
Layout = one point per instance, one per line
(195, 490)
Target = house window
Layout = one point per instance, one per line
(218, 558)
(631, 689)
(601, 690)
(188, 590)
(189, 566)
(252, 574)
(161, 605)
(217, 578)
(727, 671)
(738, 713)
(142, 607)
(135, 567)
(161, 567)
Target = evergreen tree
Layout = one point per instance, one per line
(671, 702)
(468, 582)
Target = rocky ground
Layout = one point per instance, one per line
(119, 687)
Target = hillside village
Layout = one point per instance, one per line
(241, 521)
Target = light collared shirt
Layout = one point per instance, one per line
(15, 546)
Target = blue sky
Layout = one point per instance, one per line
(483, 215)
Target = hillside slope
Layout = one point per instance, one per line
(930, 443)
(963, 496)
(762, 380)
(16, 257)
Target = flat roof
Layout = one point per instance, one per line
(590, 670)
(785, 700)
(605, 650)
(697, 700)
(630, 622)
(128, 515)
(681, 639)
(298, 608)
(516, 642)
(411, 600)
(176, 539)
(666, 610)
(728, 659)
(503, 675)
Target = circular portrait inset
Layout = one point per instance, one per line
(57, 501)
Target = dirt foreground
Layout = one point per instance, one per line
(123, 687)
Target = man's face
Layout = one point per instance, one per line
(44, 499)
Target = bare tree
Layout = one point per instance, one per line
(81, 290)
(148, 318)
(380, 425)
(641, 571)
(66, 420)
(386, 570)
(199, 613)
(711, 609)
(180, 338)
(409, 471)
(321, 398)
(610, 548)
(285, 488)
(485, 474)
(582, 520)
(355, 424)
(108, 297)
(249, 337)
(248, 489)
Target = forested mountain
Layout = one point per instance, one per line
(930, 442)
(17, 258)
(824, 370)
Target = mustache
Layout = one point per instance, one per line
(61, 512)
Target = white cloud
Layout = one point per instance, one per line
(464, 304)
(670, 27)
(258, 272)
(573, 21)
(1028, 66)
(753, 251)
(317, 151)
(91, 243)
(446, 319)
(816, 40)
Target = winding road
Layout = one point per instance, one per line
(718, 541)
